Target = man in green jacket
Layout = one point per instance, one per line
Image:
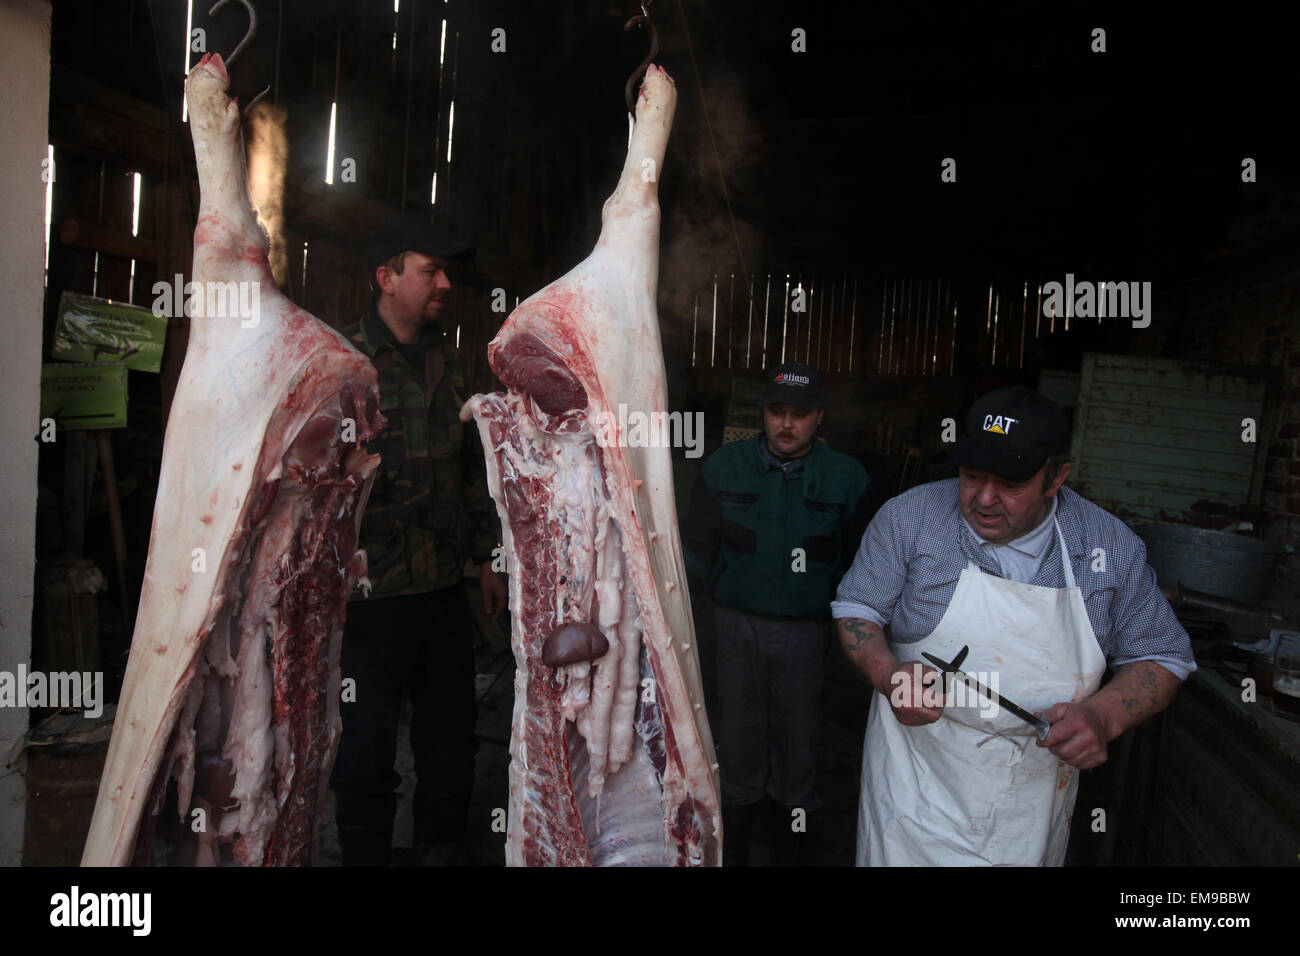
(428, 512)
(775, 521)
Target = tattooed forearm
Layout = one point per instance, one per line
(866, 646)
(1149, 701)
(1139, 690)
(861, 631)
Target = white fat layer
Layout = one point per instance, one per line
(183, 767)
(623, 717)
(608, 727)
(609, 578)
(600, 696)
(577, 688)
(593, 723)
(249, 745)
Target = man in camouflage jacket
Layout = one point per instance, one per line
(428, 512)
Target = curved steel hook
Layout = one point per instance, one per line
(255, 100)
(643, 18)
(252, 26)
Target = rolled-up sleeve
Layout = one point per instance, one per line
(874, 582)
(1145, 626)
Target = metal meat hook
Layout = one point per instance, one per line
(252, 26)
(248, 36)
(629, 94)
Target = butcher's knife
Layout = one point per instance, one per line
(953, 667)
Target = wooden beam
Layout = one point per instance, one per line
(95, 238)
(89, 117)
(102, 135)
(70, 87)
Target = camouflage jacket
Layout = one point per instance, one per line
(429, 508)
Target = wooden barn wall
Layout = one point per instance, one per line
(1159, 440)
(899, 351)
(1248, 313)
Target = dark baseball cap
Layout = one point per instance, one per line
(1011, 432)
(795, 384)
(413, 232)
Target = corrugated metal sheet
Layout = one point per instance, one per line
(1160, 440)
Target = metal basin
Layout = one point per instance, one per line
(1225, 565)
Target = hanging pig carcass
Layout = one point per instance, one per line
(611, 757)
(228, 719)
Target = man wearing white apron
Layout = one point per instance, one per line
(1045, 589)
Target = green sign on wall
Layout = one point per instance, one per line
(84, 396)
(101, 331)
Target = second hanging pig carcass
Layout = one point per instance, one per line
(612, 761)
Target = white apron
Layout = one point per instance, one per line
(967, 790)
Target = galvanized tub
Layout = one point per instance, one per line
(1214, 562)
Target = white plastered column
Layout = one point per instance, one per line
(24, 113)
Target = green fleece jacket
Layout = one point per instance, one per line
(773, 537)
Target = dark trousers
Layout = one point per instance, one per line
(421, 645)
(770, 675)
